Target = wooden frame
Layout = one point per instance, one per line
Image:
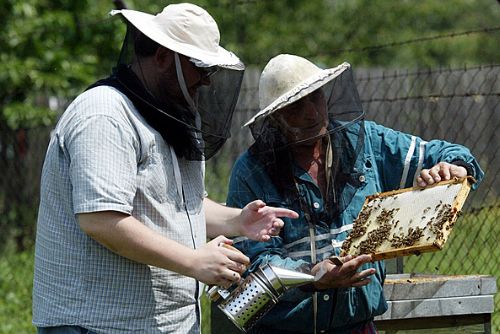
(407, 221)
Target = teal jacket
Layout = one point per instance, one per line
(389, 160)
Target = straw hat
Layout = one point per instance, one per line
(288, 78)
(186, 29)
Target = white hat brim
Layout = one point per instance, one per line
(145, 23)
(302, 89)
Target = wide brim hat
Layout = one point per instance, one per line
(288, 78)
(186, 29)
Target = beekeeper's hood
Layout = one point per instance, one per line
(189, 30)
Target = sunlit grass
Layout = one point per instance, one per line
(16, 282)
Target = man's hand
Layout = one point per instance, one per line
(214, 264)
(442, 171)
(259, 222)
(329, 275)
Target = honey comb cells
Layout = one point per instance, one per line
(407, 221)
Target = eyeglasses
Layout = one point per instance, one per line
(207, 72)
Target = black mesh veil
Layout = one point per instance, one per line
(196, 131)
(345, 136)
(216, 104)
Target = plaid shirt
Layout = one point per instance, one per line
(390, 160)
(104, 156)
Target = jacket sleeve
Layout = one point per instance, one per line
(400, 157)
(247, 183)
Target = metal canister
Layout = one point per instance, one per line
(245, 303)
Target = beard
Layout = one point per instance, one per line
(167, 91)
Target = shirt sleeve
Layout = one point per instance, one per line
(245, 186)
(401, 157)
(103, 165)
(247, 183)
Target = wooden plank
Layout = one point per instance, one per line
(407, 287)
(423, 308)
(468, 323)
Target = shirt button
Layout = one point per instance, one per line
(316, 205)
(362, 178)
(326, 298)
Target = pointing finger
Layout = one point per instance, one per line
(282, 212)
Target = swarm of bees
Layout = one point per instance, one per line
(418, 222)
(401, 240)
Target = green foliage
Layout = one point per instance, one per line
(20, 115)
(50, 49)
(205, 311)
(258, 30)
(217, 173)
(17, 224)
(16, 281)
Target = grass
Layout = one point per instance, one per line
(471, 249)
(16, 275)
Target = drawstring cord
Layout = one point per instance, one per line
(189, 99)
(312, 237)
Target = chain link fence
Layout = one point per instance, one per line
(457, 105)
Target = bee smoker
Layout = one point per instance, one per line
(246, 302)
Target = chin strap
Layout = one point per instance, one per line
(182, 82)
(189, 99)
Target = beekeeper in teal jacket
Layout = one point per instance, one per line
(315, 154)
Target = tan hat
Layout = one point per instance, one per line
(288, 78)
(184, 28)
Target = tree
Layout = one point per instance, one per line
(56, 48)
(48, 49)
(325, 31)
